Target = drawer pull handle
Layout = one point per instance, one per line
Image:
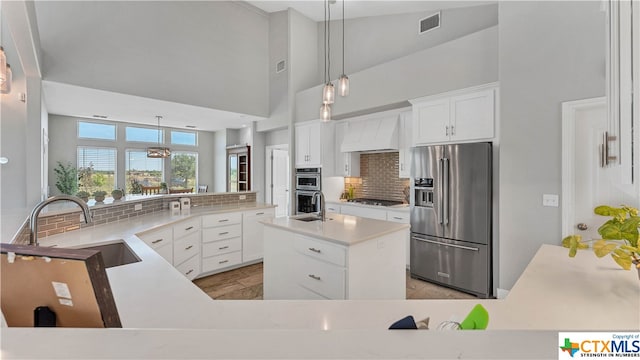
(318, 251)
(223, 220)
(156, 241)
(189, 272)
(189, 228)
(314, 277)
(223, 233)
(223, 261)
(397, 218)
(224, 247)
(260, 213)
(188, 247)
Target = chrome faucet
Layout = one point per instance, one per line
(33, 219)
(321, 211)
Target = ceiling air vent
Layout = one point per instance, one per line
(280, 66)
(429, 23)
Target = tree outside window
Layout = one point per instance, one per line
(184, 170)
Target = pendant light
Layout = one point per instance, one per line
(5, 88)
(328, 91)
(158, 151)
(343, 82)
(3, 66)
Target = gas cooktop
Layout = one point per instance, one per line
(376, 202)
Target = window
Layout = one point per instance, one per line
(183, 138)
(184, 170)
(142, 171)
(88, 130)
(133, 133)
(96, 169)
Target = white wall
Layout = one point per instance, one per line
(371, 41)
(204, 53)
(550, 52)
(464, 62)
(278, 82)
(276, 137)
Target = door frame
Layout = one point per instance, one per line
(569, 110)
(268, 178)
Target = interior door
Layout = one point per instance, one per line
(280, 181)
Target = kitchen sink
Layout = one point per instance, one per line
(311, 218)
(115, 254)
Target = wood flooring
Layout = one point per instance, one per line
(245, 283)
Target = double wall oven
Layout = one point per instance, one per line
(308, 181)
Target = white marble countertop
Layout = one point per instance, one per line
(401, 207)
(338, 228)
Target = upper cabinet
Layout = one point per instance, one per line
(314, 145)
(404, 144)
(347, 163)
(460, 116)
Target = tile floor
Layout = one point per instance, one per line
(245, 283)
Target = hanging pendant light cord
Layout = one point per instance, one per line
(325, 42)
(158, 117)
(343, 37)
(329, 43)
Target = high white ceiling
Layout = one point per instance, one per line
(78, 49)
(314, 9)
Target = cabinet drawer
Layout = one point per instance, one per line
(398, 216)
(221, 219)
(221, 247)
(325, 279)
(321, 250)
(185, 228)
(333, 208)
(158, 238)
(190, 268)
(269, 212)
(186, 247)
(221, 232)
(221, 261)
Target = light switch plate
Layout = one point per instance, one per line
(551, 200)
(137, 207)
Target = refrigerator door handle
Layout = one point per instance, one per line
(445, 190)
(439, 212)
(445, 244)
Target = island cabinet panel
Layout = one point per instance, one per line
(299, 266)
(218, 262)
(221, 219)
(252, 240)
(186, 247)
(190, 268)
(221, 233)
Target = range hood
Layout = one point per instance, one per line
(373, 134)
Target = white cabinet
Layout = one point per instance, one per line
(252, 240)
(221, 241)
(314, 145)
(186, 247)
(297, 266)
(160, 240)
(367, 212)
(404, 144)
(403, 217)
(465, 115)
(347, 163)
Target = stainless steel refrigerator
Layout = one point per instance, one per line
(451, 220)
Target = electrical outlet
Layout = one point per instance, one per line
(550, 200)
(243, 197)
(81, 218)
(137, 207)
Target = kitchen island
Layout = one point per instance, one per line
(343, 257)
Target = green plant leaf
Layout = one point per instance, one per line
(602, 248)
(573, 243)
(623, 261)
(606, 210)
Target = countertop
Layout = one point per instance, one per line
(340, 229)
(401, 207)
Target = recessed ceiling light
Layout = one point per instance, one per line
(190, 126)
(99, 116)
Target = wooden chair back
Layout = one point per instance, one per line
(180, 191)
(150, 190)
